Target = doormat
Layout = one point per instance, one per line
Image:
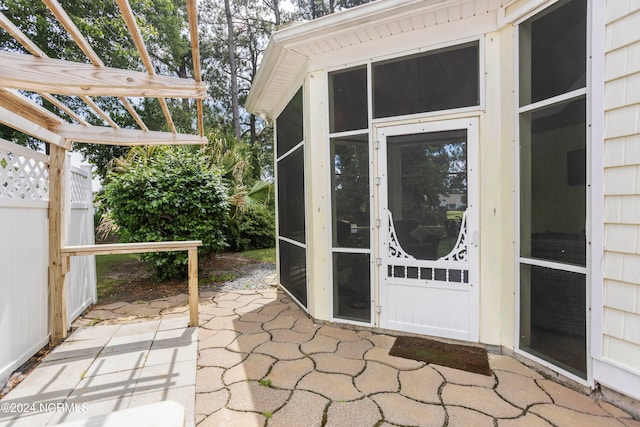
(464, 357)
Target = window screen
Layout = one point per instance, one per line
(438, 80)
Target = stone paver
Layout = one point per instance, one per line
(422, 384)
(252, 396)
(261, 361)
(334, 364)
(481, 399)
(571, 399)
(557, 415)
(400, 410)
(467, 417)
(337, 387)
(362, 412)
(521, 391)
(303, 409)
(254, 367)
(377, 378)
(286, 373)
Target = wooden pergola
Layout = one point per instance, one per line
(35, 72)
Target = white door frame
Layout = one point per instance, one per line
(431, 307)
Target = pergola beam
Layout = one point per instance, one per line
(22, 124)
(84, 45)
(128, 137)
(22, 38)
(192, 15)
(14, 101)
(136, 35)
(57, 76)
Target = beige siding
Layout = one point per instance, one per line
(621, 329)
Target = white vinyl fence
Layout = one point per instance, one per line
(24, 196)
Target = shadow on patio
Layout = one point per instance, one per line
(262, 361)
(102, 369)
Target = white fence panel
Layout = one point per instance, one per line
(24, 252)
(80, 282)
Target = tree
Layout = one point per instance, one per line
(313, 9)
(163, 25)
(165, 194)
(233, 74)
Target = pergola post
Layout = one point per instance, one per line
(193, 287)
(58, 264)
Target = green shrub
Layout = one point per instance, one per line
(252, 229)
(172, 195)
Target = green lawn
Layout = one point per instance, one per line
(264, 255)
(104, 263)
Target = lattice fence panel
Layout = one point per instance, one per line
(22, 176)
(79, 187)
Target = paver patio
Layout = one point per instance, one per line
(262, 362)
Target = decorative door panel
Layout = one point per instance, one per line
(428, 233)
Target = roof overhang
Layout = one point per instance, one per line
(290, 51)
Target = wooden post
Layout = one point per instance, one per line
(57, 265)
(193, 287)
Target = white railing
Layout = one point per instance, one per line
(24, 255)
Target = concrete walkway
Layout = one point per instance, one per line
(262, 362)
(102, 369)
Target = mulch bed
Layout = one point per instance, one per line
(467, 358)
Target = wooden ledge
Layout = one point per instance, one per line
(130, 248)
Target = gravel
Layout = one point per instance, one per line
(251, 276)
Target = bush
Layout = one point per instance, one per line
(173, 195)
(252, 229)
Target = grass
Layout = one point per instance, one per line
(104, 263)
(108, 286)
(220, 278)
(263, 255)
(265, 382)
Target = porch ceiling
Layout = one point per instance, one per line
(35, 73)
(285, 60)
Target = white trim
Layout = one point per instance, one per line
(384, 121)
(294, 148)
(373, 200)
(297, 301)
(553, 367)
(595, 116)
(553, 265)
(348, 133)
(342, 250)
(23, 151)
(568, 96)
(23, 203)
(617, 377)
(517, 184)
(523, 13)
(536, 7)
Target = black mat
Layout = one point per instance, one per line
(467, 358)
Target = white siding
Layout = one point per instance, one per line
(621, 328)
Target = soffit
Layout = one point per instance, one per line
(285, 60)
